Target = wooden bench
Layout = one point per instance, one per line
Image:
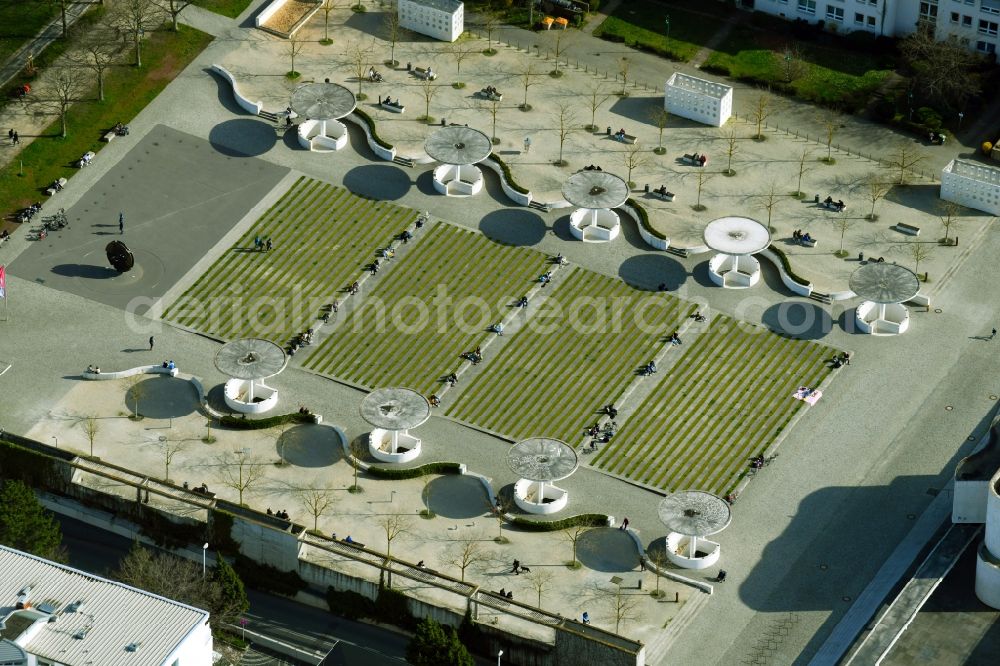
(693, 159)
(423, 74)
(108, 136)
(625, 138)
(812, 242)
(86, 159)
(907, 229)
(665, 196)
(395, 108)
(51, 190)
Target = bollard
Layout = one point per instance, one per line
(609, 134)
(677, 597)
(647, 188)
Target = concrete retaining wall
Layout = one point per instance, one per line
(652, 241)
(246, 104)
(512, 194)
(794, 286)
(388, 154)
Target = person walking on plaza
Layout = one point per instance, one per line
(151, 343)
(624, 525)
(516, 569)
(10, 135)
(527, 144)
(993, 334)
(16, 139)
(121, 222)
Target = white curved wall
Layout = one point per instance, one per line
(652, 241)
(245, 104)
(388, 154)
(786, 279)
(521, 199)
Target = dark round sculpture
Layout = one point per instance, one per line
(120, 256)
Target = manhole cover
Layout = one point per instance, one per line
(824, 567)
(993, 397)
(948, 408)
(937, 310)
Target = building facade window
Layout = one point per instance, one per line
(835, 13)
(928, 10)
(966, 21)
(987, 28)
(954, 17)
(807, 6)
(871, 21)
(859, 19)
(986, 47)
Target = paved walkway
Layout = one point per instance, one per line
(53, 31)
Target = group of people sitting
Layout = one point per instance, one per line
(56, 185)
(491, 91)
(662, 191)
(797, 235)
(696, 158)
(698, 317)
(353, 288)
(601, 435)
(4, 235)
(844, 358)
(675, 338)
(610, 410)
(94, 369)
(278, 514)
(838, 205)
(648, 369)
(559, 260)
(261, 244)
(121, 129)
(521, 302)
(85, 159)
(169, 365)
(388, 102)
(475, 356)
(434, 400)
(592, 167)
(545, 278)
(203, 488)
(505, 594)
(620, 135)
(301, 340)
(936, 138)
(374, 75)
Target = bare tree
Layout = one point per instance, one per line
(769, 200)
(573, 535)
(466, 553)
(328, 6)
(904, 158)
(67, 85)
(633, 158)
(596, 97)
(241, 471)
(359, 449)
(540, 580)
(429, 90)
(944, 71)
(843, 223)
(360, 64)
(317, 502)
(392, 525)
(169, 448)
(281, 441)
(135, 387)
(491, 21)
(134, 18)
(624, 64)
(660, 117)
(949, 219)
(493, 107)
(760, 112)
(623, 607)
(557, 51)
(803, 168)
(209, 438)
(732, 147)
(460, 52)
(567, 119)
(918, 252)
(98, 51)
(499, 512)
(792, 65)
(91, 427)
(293, 47)
(875, 189)
(173, 8)
(703, 177)
(527, 74)
(659, 559)
(831, 123)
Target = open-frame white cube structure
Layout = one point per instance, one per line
(699, 100)
(972, 185)
(440, 19)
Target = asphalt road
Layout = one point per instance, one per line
(348, 643)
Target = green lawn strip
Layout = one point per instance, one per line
(643, 22)
(20, 21)
(230, 8)
(536, 387)
(447, 256)
(127, 91)
(619, 455)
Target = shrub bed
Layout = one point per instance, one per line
(644, 219)
(506, 174)
(788, 266)
(266, 578)
(243, 423)
(371, 129)
(584, 519)
(414, 472)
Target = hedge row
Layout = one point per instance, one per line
(644, 219)
(371, 128)
(788, 266)
(243, 423)
(506, 174)
(582, 520)
(266, 578)
(414, 472)
(390, 606)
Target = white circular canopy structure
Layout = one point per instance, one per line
(736, 239)
(320, 105)
(691, 515)
(248, 362)
(392, 412)
(884, 288)
(540, 461)
(596, 193)
(459, 149)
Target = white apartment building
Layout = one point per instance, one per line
(974, 22)
(53, 615)
(440, 19)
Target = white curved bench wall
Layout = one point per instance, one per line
(408, 446)
(131, 372)
(522, 199)
(310, 138)
(458, 181)
(678, 542)
(388, 154)
(652, 241)
(526, 492)
(589, 227)
(236, 391)
(245, 104)
(734, 272)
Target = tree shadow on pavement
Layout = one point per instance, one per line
(162, 397)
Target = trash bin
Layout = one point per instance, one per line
(609, 130)
(816, 198)
(409, 66)
(647, 188)
(443, 122)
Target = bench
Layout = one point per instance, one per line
(665, 196)
(327, 142)
(812, 242)
(492, 96)
(695, 159)
(356, 544)
(395, 108)
(625, 138)
(907, 229)
(108, 136)
(121, 374)
(86, 158)
(425, 74)
(51, 190)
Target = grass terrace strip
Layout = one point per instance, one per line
(726, 399)
(323, 238)
(578, 352)
(429, 306)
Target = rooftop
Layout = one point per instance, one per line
(693, 83)
(98, 621)
(972, 169)
(983, 464)
(442, 5)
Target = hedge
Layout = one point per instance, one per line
(414, 472)
(583, 519)
(507, 175)
(266, 578)
(644, 219)
(371, 128)
(243, 423)
(391, 606)
(788, 266)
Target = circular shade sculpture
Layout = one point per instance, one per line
(321, 104)
(458, 148)
(735, 239)
(884, 288)
(248, 362)
(458, 145)
(538, 461)
(120, 257)
(595, 193)
(691, 515)
(392, 412)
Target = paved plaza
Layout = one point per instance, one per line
(197, 174)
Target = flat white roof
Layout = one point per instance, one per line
(450, 6)
(703, 86)
(110, 616)
(977, 170)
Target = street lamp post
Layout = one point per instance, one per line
(204, 554)
(909, 96)
(961, 117)
(667, 21)
(499, 654)
(57, 440)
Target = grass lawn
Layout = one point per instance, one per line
(323, 237)
(425, 311)
(20, 20)
(230, 8)
(642, 23)
(579, 351)
(726, 399)
(127, 91)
